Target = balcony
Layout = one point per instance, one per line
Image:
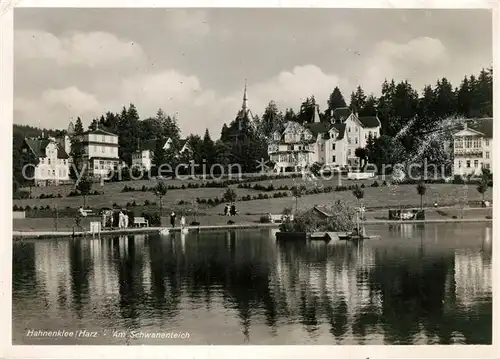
(468, 152)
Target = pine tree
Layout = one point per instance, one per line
(464, 98)
(445, 99)
(336, 99)
(224, 134)
(307, 109)
(358, 100)
(93, 125)
(271, 119)
(370, 107)
(128, 132)
(208, 149)
(290, 115)
(78, 126)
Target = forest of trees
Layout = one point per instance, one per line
(399, 105)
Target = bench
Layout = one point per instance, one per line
(85, 212)
(140, 221)
(278, 218)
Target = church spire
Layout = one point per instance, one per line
(245, 98)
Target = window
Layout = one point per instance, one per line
(467, 164)
(487, 142)
(459, 143)
(53, 172)
(487, 155)
(101, 163)
(348, 152)
(487, 165)
(468, 142)
(333, 146)
(96, 165)
(348, 129)
(348, 140)
(476, 163)
(459, 163)
(366, 136)
(477, 143)
(103, 149)
(356, 140)
(333, 158)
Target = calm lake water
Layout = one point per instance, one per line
(416, 285)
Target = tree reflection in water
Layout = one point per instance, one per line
(396, 288)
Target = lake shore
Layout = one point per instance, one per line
(17, 235)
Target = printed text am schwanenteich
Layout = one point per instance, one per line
(63, 333)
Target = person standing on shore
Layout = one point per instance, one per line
(183, 222)
(172, 219)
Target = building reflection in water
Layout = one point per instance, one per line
(412, 286)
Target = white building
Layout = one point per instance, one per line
(144, 156)
(100, 152)
(53, 161)
(330, 142)
(473, 147)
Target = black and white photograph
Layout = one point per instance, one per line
(258, 176)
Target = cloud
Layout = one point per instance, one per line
(404, 61)
(198, 107)
(92, 49)
(55, 107)
(185, 22)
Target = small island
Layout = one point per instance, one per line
(336, 221)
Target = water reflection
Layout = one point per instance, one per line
(416, 285)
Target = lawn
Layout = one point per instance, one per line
(374, 197)
(383, 196)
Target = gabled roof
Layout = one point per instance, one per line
(99, 132)
(38, 147)
(341, 113)
(340, 127)
(369, 121)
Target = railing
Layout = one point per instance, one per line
(462, 152)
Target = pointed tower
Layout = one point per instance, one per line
(244, 108)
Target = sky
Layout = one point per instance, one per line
(193, 63)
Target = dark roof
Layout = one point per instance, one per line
(150, 145)
(38, 147)
(99, 132)
(369, 121)
(341, 113)
(318, 127)
(483, 125)
(341, 128)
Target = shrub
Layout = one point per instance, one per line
(363, 185)
(230, 222)
(264, 219)
(146, 203)
(375, 184)
(194, 223)
(384, 183)
(152, 218)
